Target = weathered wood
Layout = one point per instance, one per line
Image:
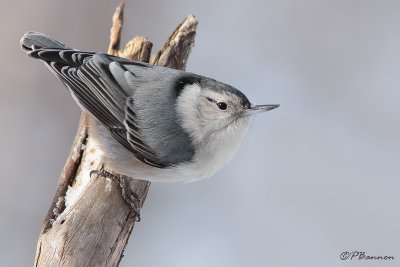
(89, 223)
(116, 28)
(176, 50)
(68, 174)
(138, 47)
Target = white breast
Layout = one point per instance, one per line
(217, 150)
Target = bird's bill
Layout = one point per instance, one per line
(260, 108)
(263, 107)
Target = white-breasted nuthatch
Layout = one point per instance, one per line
(152, 123)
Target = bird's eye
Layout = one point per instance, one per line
(222, 105)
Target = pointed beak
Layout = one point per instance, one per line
(263, 107)
(260, 108)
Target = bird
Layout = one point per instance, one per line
(150, 122)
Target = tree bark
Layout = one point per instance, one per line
(89, 223)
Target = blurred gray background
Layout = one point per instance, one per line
(314, 178)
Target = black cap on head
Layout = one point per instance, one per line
(222, 87)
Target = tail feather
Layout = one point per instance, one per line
(48, 49)
(36, 40)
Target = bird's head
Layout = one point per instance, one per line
(206, 106)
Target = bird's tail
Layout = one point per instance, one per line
(35, 40)
(52, 52)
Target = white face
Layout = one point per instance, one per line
(204, 112)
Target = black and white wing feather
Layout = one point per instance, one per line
(91, 79)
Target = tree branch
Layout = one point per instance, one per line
(116, 28)
(176, 50)
(89, 223)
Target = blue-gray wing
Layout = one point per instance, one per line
(90, 78)
(108, 83)
(133, 100)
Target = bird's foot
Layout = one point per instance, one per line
(130, 197)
